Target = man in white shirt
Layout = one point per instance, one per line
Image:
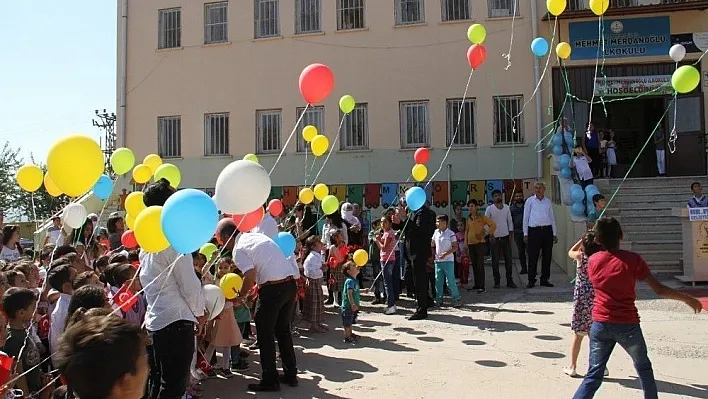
(500, 213)
(263, 262)
(175, 309)
(268, 226)
(539, 234)
(54, 236)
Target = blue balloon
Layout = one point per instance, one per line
(539, 47)
(566, 173)
(577, 193)
(568, 137)
(557, 139)
(564, 160)
(590, 188)
(189, 219)
(103, 187)
(577, 209)
(557, 150)
(286, 242)
(415, 198)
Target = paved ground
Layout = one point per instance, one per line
(502, 344)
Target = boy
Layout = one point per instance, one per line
(600, 203)
(613, 274)
(350, 301)
(444, 243)
(60, 278)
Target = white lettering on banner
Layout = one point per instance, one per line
(697, 214)
(658, 85)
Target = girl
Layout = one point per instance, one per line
(386, 241)
(611, 155)
(11, 249)
(313, 309)
(581, 162)
(116, 228)
(334, 222)
(225, 333)
(337, 250)
(462, 256)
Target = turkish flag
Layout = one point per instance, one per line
(124, 298)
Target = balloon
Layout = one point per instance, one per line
(422, 155)
(251, 157)
(477, 33)
(74, 215)
(152, 161)
(557, 150)
(577, 209)
(577, 193)
(599, 6)
(286, 243)
(129, 221)
(330, 204)
(677, 52)
(556, 165)
(103, 187)
(360, 257)
(128, 240)
(170, 173)
(275, 207)
(309, 133)
(316, 83)
(241, 187)
(306, 196)
(321, 191)
(320, 144)
(563, 50)
(539, 47)
(29, 178)
(249, 221)
(75, 163)
(591, 188)
(188, 219)
(568, 137)
(142, 173)
(134, 203)
(230, 285)
(122, 160)
(415, 198)
(208, 250)
(566, 173)
(685, 79)
(51, 188)
(214, 300)
(557, 139)
(556, 7)
(419, 172)
(148, 231)
(564, 160)
(347, 104)
(476, 55)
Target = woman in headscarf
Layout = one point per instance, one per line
(355, 233)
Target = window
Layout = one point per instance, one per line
(169, 136)
(315, 117)
(350, 14)
(456, 10)
(216, 134)
(170, 28)
(508, 124)
(503, 8)
(268, 131)
(415, 124)
(267, 18)
(307, 16)
(216, 26)
(409, 12)
(465, 114)
(355, 130)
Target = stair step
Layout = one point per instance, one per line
(649, 197)
(649, 236)
(658, 245)
(666, 269)
(660, 256)
(684, 181)
(639, 211)
(651, 220)
(630, 202)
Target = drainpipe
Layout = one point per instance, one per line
(122, 73)
(539, 106)
(449, 190)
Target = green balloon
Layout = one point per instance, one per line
(122, 160)
(208, 250)
(685, 79)
(170, 172)
(477, 33)
(251, 157)
(330, 204)
(347, 104)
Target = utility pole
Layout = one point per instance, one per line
(107, 123)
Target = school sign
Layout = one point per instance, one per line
(633, 37)
(656, 85)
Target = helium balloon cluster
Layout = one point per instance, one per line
(539, 46)
(476, 54)
(685, 78)
(577, 195)
(421, 157)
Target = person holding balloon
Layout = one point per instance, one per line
(314, 267)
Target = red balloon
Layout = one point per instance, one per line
(128, 240)
(249, 221)
(316, 83)
(476, 55)
(422, 155)
(275, 207)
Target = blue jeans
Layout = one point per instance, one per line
(603, 337)
(379, 284)
(445, 270)
(388, 282)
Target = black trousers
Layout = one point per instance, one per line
(172, 350)
(502, 247)
(521, 248)
(421, 282)
(596, 163)
(540, 241)
(274, 309)
(477, 252)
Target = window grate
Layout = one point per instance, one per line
(216, 26)
(268, 126)
(502, 8)
(467, 129)
(410, 12)
(355, 129)
(216, 134)
(350, 14)
(307, 16)
(266, 18)
(169, 136)
(508, 128)
(415, 124)
(315, 117)
(456, 10)
(170, 28)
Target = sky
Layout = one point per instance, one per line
(57, 66)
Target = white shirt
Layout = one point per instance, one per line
(58, 323)
(174, 295)
(582, 166)
(268, 226)
(313, 265)
(327, 233)
(538, 213)
(9, 254)
(257, 251)
(54, 236)
(443, 242)
(502, 218)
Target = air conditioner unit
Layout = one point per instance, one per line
(499, 12)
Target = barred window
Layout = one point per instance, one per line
(350, 14)
(307, 16)
(169, 136)
(415, 124)
(456, 10)
(355, 130)
(465, 112)
(169, 28)
(315, 117)
(266, 18)
(216, 26)
(268, 126)
(216, 134)
(502, 8)
(410, 12)
(508, 128)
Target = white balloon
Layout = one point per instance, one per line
(241, 187)
(74, 215)
(677, 52)
(214, 299)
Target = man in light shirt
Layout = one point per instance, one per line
(539, 234)
(501, 239)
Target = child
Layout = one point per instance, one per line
(615, 319)
(611, 155)
(386, 241)
(375, 259)
(225, 333)
(60, 278)
(581, 163)
(599, 201)
(350, 301)
(118, 275)
(314, 266)
(462, 256)
(242, 314)
(338, 251)
(445, 244)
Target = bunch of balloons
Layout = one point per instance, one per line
(577, 195)
(476, 54)
(590, 191)
(420, 171)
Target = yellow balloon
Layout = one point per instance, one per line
(320, 144)
(230, 285)
(309, 133)
(420, 172)
(251, 157)
(129, 221)
(50, 186)
(75, 163)
(360, 257)
(148, 230)
(321, 191)
(169, 172)
(142, 173)
(556, 7)
(134, 203)
(29, 178)
(152, 161)
(306, 196)
(599, 6)
(563, 50)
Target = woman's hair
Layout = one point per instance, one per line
(311, 242)
(7, 233)
(337, 220)
(116, 274)
(111, 224)
(589, 245)
(87, 297)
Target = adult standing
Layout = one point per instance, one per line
(592, 145)
(477, 228)
(175, 309)
(539, 234)
(501, 239)
(660, 152)
(517, 216)
(268, 226)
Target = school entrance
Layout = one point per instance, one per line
(637, 101)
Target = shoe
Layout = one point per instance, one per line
(241, 365)
(225, 373)
(497, 285)
(570, 372)
(212, 374)
(546, 284)
(531, 284)
(377, 301)
(255, 346)
(418, 316)
(391, 310)
(481, 291)
(261, 387)
(511, 284)
(457, 304)
(248, 341)
(524, 271)
(473, 288)
(606, 373)
(289, 381)
(349, 340)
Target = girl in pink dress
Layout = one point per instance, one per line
(224, 331)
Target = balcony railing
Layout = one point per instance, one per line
(581, 8)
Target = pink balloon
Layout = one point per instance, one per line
(249, 221)
(316, 83)
(422, 155)
(476, 55)
(128, 240)
(275, 207)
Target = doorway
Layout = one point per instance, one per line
(689, 156)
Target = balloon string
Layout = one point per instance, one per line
(292, 133)
(511, 39)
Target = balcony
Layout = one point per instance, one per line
(581, 8)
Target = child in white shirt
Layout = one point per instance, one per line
(445, 243)
(581, 162)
